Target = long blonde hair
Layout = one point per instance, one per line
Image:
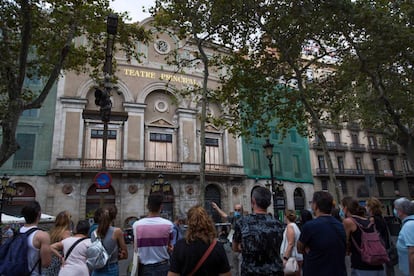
(200, 225)
(62, 225)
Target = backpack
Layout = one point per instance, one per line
(96, 254)
(13, 255)
(372, 247)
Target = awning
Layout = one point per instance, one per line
(8, 219)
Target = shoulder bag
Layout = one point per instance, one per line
(73, 246)
(203, 259)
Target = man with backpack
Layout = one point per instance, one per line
(29, 250)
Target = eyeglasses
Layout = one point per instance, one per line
(237, 210)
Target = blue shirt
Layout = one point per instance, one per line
(326, 239)
(405, 240)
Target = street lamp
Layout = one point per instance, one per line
(103, 97)
(277, 192)
(8, 191)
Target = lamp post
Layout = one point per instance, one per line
(8, 191)
(277, 192)
(103, 97)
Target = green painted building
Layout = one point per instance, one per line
(292, 172)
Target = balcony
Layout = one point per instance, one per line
(217, 168)
(358, 147)
(384, 149)
(97, 164)
(22, 164)
(79, 165)
(163, 165)
(341, 172)
(336, 146)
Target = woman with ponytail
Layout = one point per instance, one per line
(113, 240)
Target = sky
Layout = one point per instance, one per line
(133, 7)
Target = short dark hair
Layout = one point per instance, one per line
(324, 201)
(154, 202)
(262, 196)
(31, 211)
(83, 227)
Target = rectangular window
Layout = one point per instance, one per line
(278, 164)
(372, 141)
(324, 184)
(30, 113)
(376, 165)
(98, 133)
(161, 147)
(211, 142)
(23, 158)
(275, 136)
(344, 187)
(354, 137)
(406, 165)
(337, 137)
(321, 162)
(340, 160)
(293, 137)
(392, 166)
(296, 165)
(161, 137)
(96, 144)
(255, 161)
(358, 164)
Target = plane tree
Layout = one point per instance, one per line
(284, 71)
(379, 65)
(39, 40)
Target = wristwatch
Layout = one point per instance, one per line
(285, 258)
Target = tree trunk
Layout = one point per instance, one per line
(204, 99)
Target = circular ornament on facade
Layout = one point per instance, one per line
(235, 190)
(67, 189)
(161, 106)
(189, 189)
(161, 46)
(132, 189)
(20, 190)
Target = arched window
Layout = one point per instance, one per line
(212, 194)
(24, 194)
(299, 199)
(95, 199)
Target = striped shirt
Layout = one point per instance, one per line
(152, 237)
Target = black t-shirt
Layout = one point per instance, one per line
(186, 256)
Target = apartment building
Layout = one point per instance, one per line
(365, 163)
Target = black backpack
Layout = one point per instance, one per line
(13, 255)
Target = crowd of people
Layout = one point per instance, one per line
(314, 243)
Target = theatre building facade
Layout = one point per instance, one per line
(153, 141)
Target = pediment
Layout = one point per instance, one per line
(211, 128)
(161, 123)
